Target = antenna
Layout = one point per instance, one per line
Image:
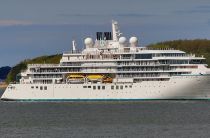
(115, 31)
(74, 45)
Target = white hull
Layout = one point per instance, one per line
(178, 87)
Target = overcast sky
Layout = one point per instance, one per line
(30, 28)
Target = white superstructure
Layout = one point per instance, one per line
(114, 68)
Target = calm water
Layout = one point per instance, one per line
(105, 119)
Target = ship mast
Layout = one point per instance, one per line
(115, 30)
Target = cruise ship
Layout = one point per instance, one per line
(110, 67)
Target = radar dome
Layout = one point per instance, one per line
(122, 40)
(88, 42)
(133, 41)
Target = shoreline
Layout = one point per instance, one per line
(3, 86)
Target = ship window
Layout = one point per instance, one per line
(99, 87)
(121, 87)
(32, 87)
(130, 86)
(37, 87)
(45, 87)
(84, 86)
(117, 87)
(94, 87)
(126, 86)
(143, 56)
(103, 87)
(41, 88)
(89, 86)
(112, 87)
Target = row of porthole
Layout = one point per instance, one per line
(153, 86)
(112, 87)
(41, 87)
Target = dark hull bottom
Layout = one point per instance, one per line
(94, 100)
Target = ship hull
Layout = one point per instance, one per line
(178, 87)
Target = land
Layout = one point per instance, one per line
(3, 75)
(52, 59)
(4, 72)
(3, 85)
(198, 47)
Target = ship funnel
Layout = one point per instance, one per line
(115, 31)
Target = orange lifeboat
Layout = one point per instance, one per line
(107, 80)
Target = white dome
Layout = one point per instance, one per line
(88, 42)
(133, 41)
(122, 40)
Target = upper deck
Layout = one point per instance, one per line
(126, 54)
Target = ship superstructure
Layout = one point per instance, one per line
(112, 68)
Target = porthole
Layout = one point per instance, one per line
(45, 87)
(117, 87)
(112, 87)
(94, 87)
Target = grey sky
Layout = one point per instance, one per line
(30, 28)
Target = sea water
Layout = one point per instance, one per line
(105, 119)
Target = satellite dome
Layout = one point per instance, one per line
(88, 42)
(122, 40)
(133, 41)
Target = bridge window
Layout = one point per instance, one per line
(143, 56)
(197, 61)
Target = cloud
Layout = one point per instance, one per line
(135, 15)
(204, 7)
(76, 15)
(208, 22)
(14, 23)
(198, 9)
(116, 15)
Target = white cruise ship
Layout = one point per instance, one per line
(112, 68)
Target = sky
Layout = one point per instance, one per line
(32, 28)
